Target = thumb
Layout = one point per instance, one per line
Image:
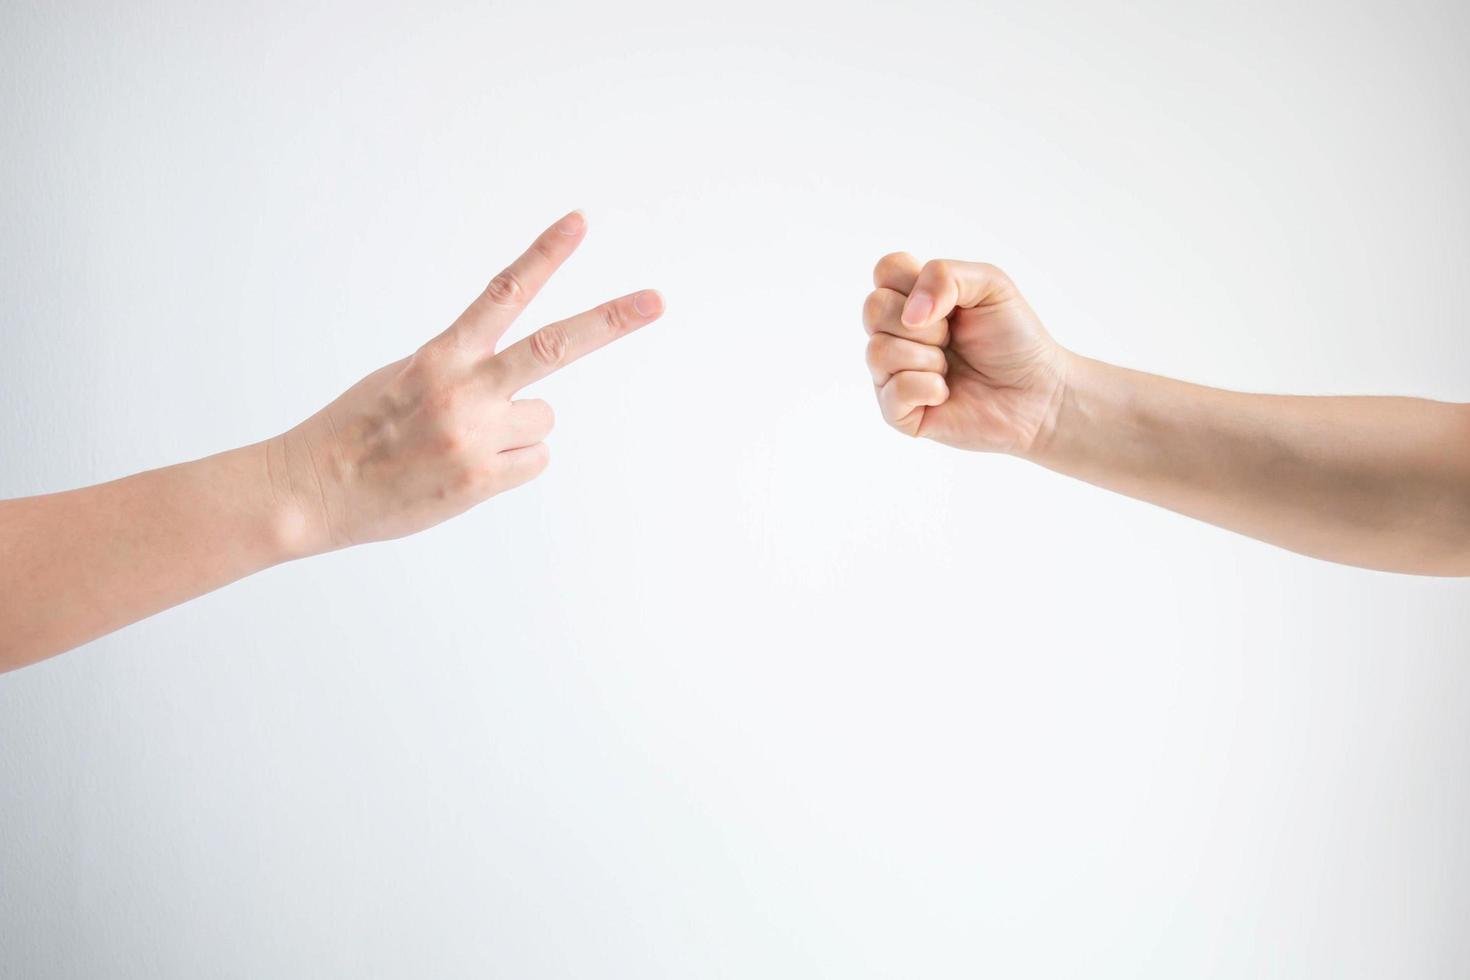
(944, 284)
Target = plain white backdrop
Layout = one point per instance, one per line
(747, 685)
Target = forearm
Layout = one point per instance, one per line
(1378, 482)
(79, 564)
(412, 444)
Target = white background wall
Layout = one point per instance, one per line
(747, 685)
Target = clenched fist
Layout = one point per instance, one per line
(430, 436)
(957, 355)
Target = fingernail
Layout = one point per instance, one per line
(916, 311)
(572, 223)
(648, 303)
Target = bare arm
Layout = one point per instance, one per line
(79, 564)
(1378, 482)
(411, 445)
(958, 356)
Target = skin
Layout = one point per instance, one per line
(411, 445)
(958, 356)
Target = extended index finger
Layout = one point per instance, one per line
(495, 309)
(558, 344)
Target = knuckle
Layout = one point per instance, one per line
(429, 359)
(453, 425)
(892, 262)
(875, 308)
(1003, 282)
(614, 318)
(993, 284)
(471, 481)
(894, 417)
(505, 290)
(549, 345)
(450, 442)
(879, 347)
(533, 416)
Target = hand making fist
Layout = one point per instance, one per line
(957, 355)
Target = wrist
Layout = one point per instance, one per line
(238, 506)
(290, 524)
(1095, 416)
(1066, 372)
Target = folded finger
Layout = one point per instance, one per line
(522, 465)
(883, 313)
(888, 355)
(526, 423)
(905, 395)
(945, 284)
(897, 271)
